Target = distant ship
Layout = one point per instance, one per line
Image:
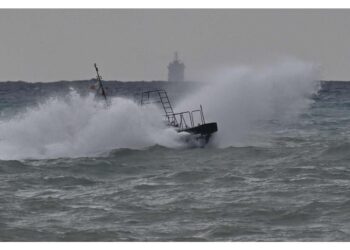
(176, 70)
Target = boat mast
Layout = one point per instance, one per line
(100, 86)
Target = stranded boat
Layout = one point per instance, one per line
(192, 122)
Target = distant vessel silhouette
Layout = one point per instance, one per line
(176, 70)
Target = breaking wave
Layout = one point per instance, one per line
(238, 100)
(76, 126)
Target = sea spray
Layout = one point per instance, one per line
(76, 126)
(243, 98)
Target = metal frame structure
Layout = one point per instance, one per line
(182, 120)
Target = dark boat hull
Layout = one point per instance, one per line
(203, 131)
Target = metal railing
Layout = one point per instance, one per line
(187, 119)
(183, 120)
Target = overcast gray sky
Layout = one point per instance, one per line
(49, 45)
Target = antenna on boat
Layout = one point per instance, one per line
(100, 85)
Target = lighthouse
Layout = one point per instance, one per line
(176, 70)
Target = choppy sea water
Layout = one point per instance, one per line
(284, 181)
